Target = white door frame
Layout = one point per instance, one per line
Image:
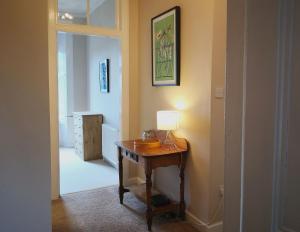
(122, 32)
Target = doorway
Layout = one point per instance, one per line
(82, 20)
(89, 79)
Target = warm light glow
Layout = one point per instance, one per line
(167, 120)
(180, 105)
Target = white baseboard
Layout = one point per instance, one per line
(216, 227)
(131, 181)
(140, 180)
(112, 163)
(202, 226)
(134, 181)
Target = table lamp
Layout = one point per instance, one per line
(167, 120)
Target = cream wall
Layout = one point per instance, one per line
(217, 111)
(134, 85)
(199, 57)
(25, 204)
(134, 81)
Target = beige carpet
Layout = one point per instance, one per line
(99, 211)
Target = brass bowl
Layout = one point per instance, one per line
(146, 143)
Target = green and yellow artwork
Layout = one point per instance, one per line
(165, 45)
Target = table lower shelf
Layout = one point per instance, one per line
(171, 207)
(139, 191)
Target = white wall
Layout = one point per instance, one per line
(25, 204)
(108, 104)
(83, 56)
(74, 47)
(99, 49)
(104, 15)
(80, 85)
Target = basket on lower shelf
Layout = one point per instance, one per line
(160, 200)
(157, 199)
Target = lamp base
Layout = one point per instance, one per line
(170, 140)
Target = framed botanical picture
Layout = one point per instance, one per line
(166, 48)
(104, 76)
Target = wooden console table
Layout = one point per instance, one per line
(151, 158)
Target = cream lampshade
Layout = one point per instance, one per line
(167, 120)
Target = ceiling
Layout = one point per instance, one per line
(78, 7)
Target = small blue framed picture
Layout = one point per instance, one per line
(104, 76)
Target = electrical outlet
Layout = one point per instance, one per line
(221, 190)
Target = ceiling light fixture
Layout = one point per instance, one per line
(66, 16)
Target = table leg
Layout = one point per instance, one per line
(148, 172)
(121, 187)
(181, 175)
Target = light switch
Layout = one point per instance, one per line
(219, 92)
